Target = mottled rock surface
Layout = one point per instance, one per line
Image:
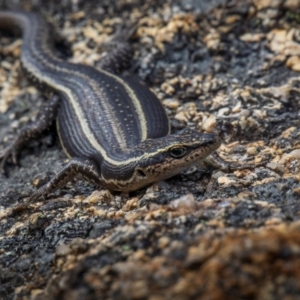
(226, 66)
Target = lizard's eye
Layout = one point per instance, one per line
(177, 152)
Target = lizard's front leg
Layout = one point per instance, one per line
(87, 168)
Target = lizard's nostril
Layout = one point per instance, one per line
(141, 173)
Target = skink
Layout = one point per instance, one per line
(114, 130)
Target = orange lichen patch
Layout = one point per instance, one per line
(281, 41)
(291, 4)
(212, 40)
(255, 254)
(162, 34)
(77, 15)
(131, 204)
(15, 228)
(101, 213)
(294, 176)
(209, 123)
(97, 196)
(186, 22)
(226, 181)
(236, 263)
(171, 103)
(288, 132)
(294, 63)
(266, 180)
(252, 37)
(186, 112)
(278, 92)
(10, 89)
(167, 88)
(232, 19)
(293, 154)
(13, 49)
(262, 4)
(251, 151)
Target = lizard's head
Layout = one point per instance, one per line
(158, 159)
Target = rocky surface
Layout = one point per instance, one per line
(230, 66)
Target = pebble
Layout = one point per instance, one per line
(97, 196)
(131, 204)
(171, 103)
(252, 151)
(226, 182)
(167, 88)
(273, 221)
(275, 166)
(181, 116)
(209, 124)
(293, 62)
(252, 37)
(262, 4)
(187, 201)
(212, 40)
(232, 19)
(291, 4)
